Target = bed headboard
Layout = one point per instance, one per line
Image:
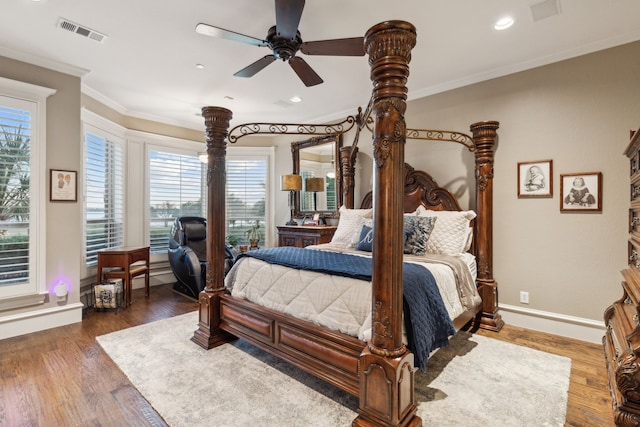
(420, 189)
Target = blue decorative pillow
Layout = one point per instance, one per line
(413, 229)
(365, 242)
(417, 232)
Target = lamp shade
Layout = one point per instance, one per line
(314, 184)
(290, 183)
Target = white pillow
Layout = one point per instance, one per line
(469, 240)
(450, 235)
(350, 224)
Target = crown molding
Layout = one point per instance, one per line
(43, 62)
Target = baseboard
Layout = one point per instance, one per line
(554, 323)
(155, 279)
(38, 320)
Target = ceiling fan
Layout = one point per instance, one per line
(285, 41)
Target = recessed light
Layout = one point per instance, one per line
(295, 99)
(200, 66)
(503, 23)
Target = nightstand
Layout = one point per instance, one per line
(304, 235)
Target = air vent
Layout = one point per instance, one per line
(83, 31)
(544, 9)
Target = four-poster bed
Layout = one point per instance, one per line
(381, 370)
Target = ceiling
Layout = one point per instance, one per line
(146, 66)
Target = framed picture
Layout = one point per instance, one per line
(535, 179)
(581, 192)
(63, 186)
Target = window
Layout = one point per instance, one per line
(331, 193)
(246, 197)
(176, 188)
(22, 193)
(306, 197)
(104, 188)
(15, 200)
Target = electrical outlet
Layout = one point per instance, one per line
(524, 297)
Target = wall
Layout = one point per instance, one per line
(578, 113)
(63, 219)
(142, 125)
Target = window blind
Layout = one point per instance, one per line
(246, 189)
(15, 200)
(104, 199)
(331, 193)
(176, 188)
(306, 197)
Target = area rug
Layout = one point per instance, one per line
(475, 381)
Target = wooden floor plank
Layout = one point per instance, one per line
(62, 375)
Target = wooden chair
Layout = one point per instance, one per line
(130, 263)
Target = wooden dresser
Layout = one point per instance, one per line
(622, 339)
(301, 236)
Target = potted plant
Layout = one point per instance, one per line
(254, 235)
(233, 240)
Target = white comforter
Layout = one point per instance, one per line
(342, 303)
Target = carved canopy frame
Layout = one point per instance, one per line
(384, 372)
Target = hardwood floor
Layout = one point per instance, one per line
(61, 376)
(589, 402)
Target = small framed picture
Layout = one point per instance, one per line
(63, 186)
(535, 179)
(581, 192)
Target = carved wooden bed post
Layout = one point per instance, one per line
(348, 171)
(484, 137)
(208, 334)
(386, 365)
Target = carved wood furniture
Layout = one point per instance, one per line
(303, 236)
(129, 262)
(622, 338)
(381, 371)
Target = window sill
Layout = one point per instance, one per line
(22, 301)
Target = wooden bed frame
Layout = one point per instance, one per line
(380, 372)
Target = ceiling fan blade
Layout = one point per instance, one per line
(337, 47)
(210, 30)
(288, 13)
(305, 72)
(253, 69)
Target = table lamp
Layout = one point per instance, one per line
(291, 183)
(314, 185)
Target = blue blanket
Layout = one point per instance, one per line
(427, 322)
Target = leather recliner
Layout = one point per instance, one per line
(188, 254)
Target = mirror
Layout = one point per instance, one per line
(318, 158)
